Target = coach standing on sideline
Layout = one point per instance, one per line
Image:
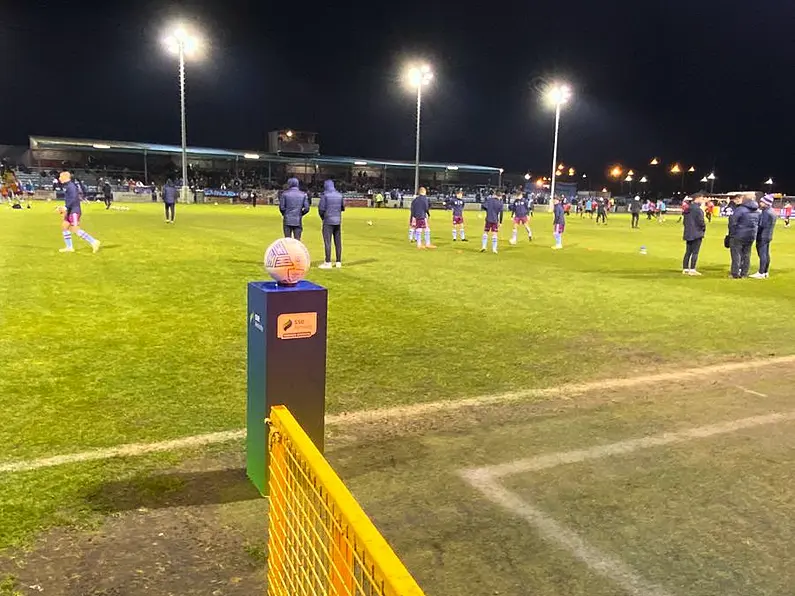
(293, 204)
(169, 199)
(330, 209)
(743, 225)
(634, 209)
(694, 229)
(764, 236)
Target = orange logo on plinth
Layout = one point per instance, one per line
(297, 325)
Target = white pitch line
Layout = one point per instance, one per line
(545, 462)
(128, 450)
(383, 414)
(486, 481)
(553, 531)
(751, 391)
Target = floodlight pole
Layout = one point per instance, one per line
(184, 127)
(554, 155)
(417, 151)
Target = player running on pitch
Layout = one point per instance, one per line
(420, 212)
(72, 214)
(493, 208)
(520, 209)
(458, 217)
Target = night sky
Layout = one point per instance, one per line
(704, 82)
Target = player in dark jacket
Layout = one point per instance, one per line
(634, 209)
(293, 204)
(764, 236)
(559, 222)
(330, 209)
(72, 214)
(493, 207)
(420, 212)
(169, 200)
(107, 193)
(601, 211)
(743, 226)
(457, 206)
(694, 228)
(520, 209)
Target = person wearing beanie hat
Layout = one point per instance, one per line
(764, 236)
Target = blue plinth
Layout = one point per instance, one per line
(286, 364)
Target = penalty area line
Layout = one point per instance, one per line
(385, 414)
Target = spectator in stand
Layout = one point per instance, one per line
(169, 200)
(330, 209)
(743, 227)
(764, 236)
(693, 235)
(293, 205)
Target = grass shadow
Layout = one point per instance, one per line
(177, 489)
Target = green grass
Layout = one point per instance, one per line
(146, 340)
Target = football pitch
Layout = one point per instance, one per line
(540, 472)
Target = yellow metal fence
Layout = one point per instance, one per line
(320, 542)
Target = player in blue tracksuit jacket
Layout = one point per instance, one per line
(169, 200)
(520, 208)
(293, 204)
(457, 206)
(72, 214)
(558, 223)
(330, 210)
(493, 207)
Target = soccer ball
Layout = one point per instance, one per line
(369, 223)
(287, 261)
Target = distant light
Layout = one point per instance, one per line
(644, 180)
(100, 146)
(711, 176)
(616, 171)
(419, 75)
(604, 190)
(675, 169)
(540, 182)
(704, 179)
(631, 173)
(501, 170)
(584, 175)
(558, 94)
(289, 133)
(452, 167)
(692, 169)
(527, 176)
(654, 161)
(561, 165)
(360, 163)
(251, 155)
(769, 181)
(559, 173)
(628, 178)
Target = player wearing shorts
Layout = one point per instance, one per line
(72, 214)
(420, 212)
(786, 214)
(559, 223)
(520, 210)
(493, 208)
(458, 217)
